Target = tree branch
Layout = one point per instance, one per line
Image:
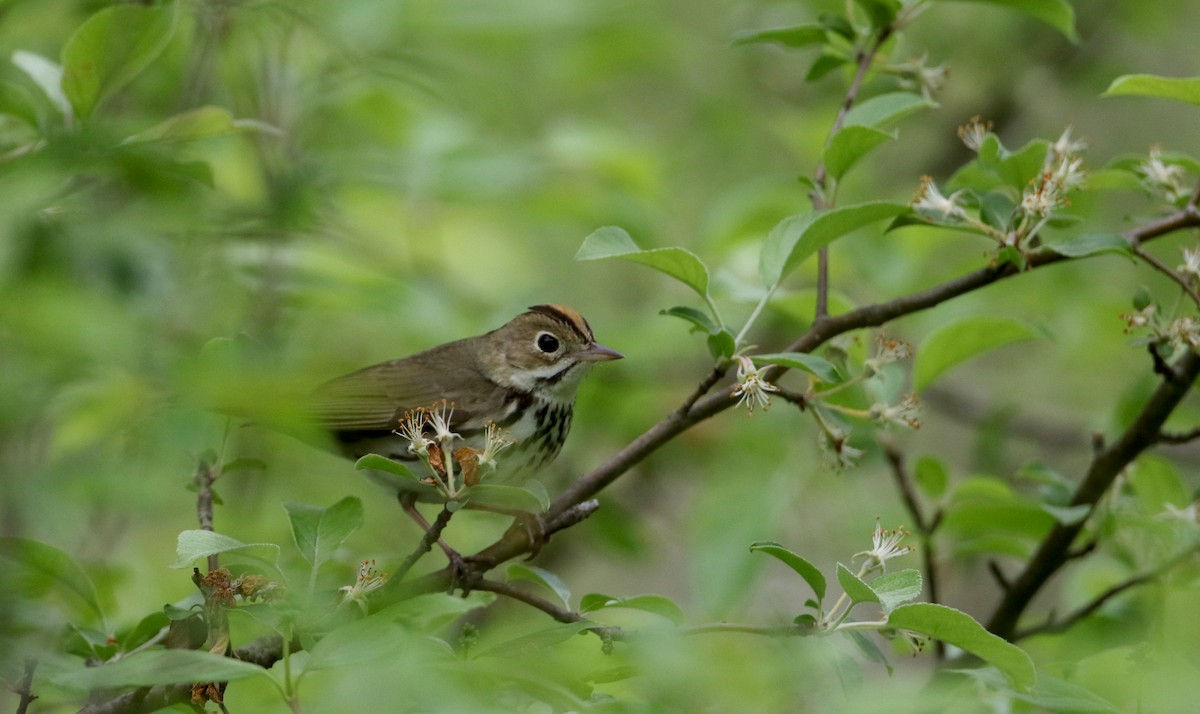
(508, 590)
(1053, 624)
(1055, 548)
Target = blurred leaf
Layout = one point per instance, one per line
(655, 604)
(886, 108)
(821, 368)
(319, 531)
(111, 48)
(536, 641)
(698, 318)
(868, 648)
(516, 498)
(359, 643)
(1157, 482)
(47, 75)
(795, 238)
(1092, 244)
(431, 612)
(961, 630)
(146, 629)
(895, 589)
(930, 474)
(15, 101)
(195, 124)
(1050, 694)
(857, 590)
(52, 563)
(1068, 515)
(1057, 13)
(880, 12)
(545, 578)
(152, 667)
(195, 544)
(805, 569)
(955, 343)
(851, 144)
(795, 36)
(614, 242)
(1179, 89)
(823, 65)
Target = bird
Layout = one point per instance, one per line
(514, 386)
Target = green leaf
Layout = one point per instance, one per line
(880, 12)
(54, 564)
(1057, 13)
(722, 345)
(886, 108)
(153, 667)
(195, 544)
(1179, 89)
(111, 48)
(959, 629)
(1157, 482)
(515, 498)
(805, 569)
(895, 589)
(931, 476)
(796, 238)
(805, 35)
(545, 578)
(1092, 244)
(851, 144)
(857, 590)
(362, 642)
(699, 318)
(375, 462)
(16, 101)
(655, 604)
(823, 65)
(957, 342)
(1068, 515)
(868, 647)
(431, 612)
(536, 641)
(614, 242)
(47, 75)
(196, 124)
(820, 368)
(319, 531)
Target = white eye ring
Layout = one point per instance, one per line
(547, 343)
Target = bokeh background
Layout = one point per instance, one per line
(424, 171)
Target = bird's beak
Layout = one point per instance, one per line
(597, 352)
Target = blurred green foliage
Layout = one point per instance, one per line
(220, 204)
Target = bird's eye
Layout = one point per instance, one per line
(546, 342)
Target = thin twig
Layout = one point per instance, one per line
(511, 591)
(1161, 267)
(764, 630)
(903, 480)
(206, 475)
(1053, 624)
(1178, 437)
(433, 534)
(25, 688)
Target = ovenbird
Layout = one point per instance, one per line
(520, 379)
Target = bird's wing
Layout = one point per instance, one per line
(376, 398)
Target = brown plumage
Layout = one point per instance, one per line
(522, 376)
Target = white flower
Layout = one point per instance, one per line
(930, 201)
(751, 387)
(439, 419)
(493, 443)
(889, 351)
(974, 132)
(1191, 263)
(412, 427)
(1162, 177)
(1066, 146)
(885, 545)
(366, 581)
(1044, 195)
(904, 413)
(1184, 331)
(1187, 514)
(839, 454)
(1141, 318)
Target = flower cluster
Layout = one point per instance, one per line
(367, 580)
(1179, 334)
(885, 545)
(430, 438)
(930, 202)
